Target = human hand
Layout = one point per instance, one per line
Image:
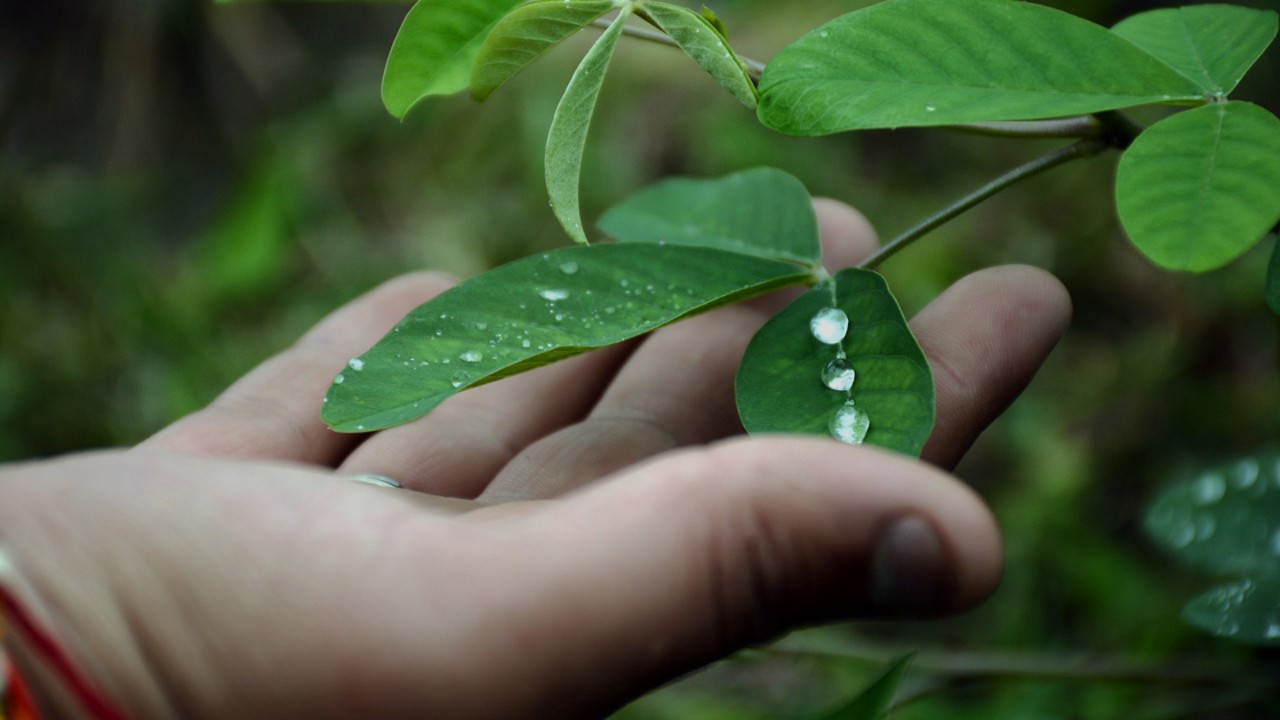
(566, 539)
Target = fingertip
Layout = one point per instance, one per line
(847, 236)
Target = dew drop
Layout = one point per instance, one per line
(482, 326)
(554, 295)
(569, 268)
(355, 364)
(460, 378)
(525, 343)
(930, 108)
(471, 356)
(339, 379)
(850, 424)
(838, 375)
(824, 33)
(1210, 489)
(829, 326)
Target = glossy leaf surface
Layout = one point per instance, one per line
(1212, 45)
(702, 41)
(533, 312)
(762, 211)
(1247, 611)
(567, 139)
(527, 32)
(1226, 520)
(435, 49)
(940, 62)
(780, 386)
(874, 701)
(1198, 189)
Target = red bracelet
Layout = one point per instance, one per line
(19, 706)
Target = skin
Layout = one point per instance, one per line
(567, 539)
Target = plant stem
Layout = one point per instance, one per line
(1083, 148)
(754, 67)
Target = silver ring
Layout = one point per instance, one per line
(375, 479)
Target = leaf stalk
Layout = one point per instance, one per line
(1081, 149)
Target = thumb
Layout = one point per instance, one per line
(685, 559)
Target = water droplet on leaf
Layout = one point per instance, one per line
(554, 295)
(471, 356)
(829, 326)
(1210, 489)
(569, 268)
(850, 424)
(838, 375)
(339, 379)
(355, 364)
(460, 378)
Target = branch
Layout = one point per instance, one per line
(1083, 148)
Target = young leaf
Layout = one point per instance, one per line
(703, 42)
(435, 48)
(1247, 611)
(533, 312)
(527, 32)
(940, 62)
(781, 385)
(568, 137)
(710, 16)
(1213, 45)
(874, 701)
(763, 212)
(1198, 189)
(1273, 277)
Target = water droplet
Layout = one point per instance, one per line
(1205, 527)
(824, 33)
(554, 295)
(569, 268)
(1210, 489)
(838, 375)
(355, 364)
(829, 326)
(471, 356)
(339, 379)
(850, 424)
(1275, 543)
(1247, 473)
(360, 427)
(460, 378)
(1182, 535)
(559, 317)
(482, 326)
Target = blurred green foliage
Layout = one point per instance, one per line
(185, 187)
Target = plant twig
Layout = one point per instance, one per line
(1083, 148)
(754, 67)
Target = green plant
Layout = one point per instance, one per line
(1194, 190)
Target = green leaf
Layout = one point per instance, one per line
(702, 41)
(1213, 45)
(1247, 611)
(1224, 520)
(763, 212)
(941, 62)
(710, 16)
(533, 312)
(1273, 278)
(527, 32)
(1198, 189)
(435, 48)
(874, 701)
(780, 386)
(567, 139)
